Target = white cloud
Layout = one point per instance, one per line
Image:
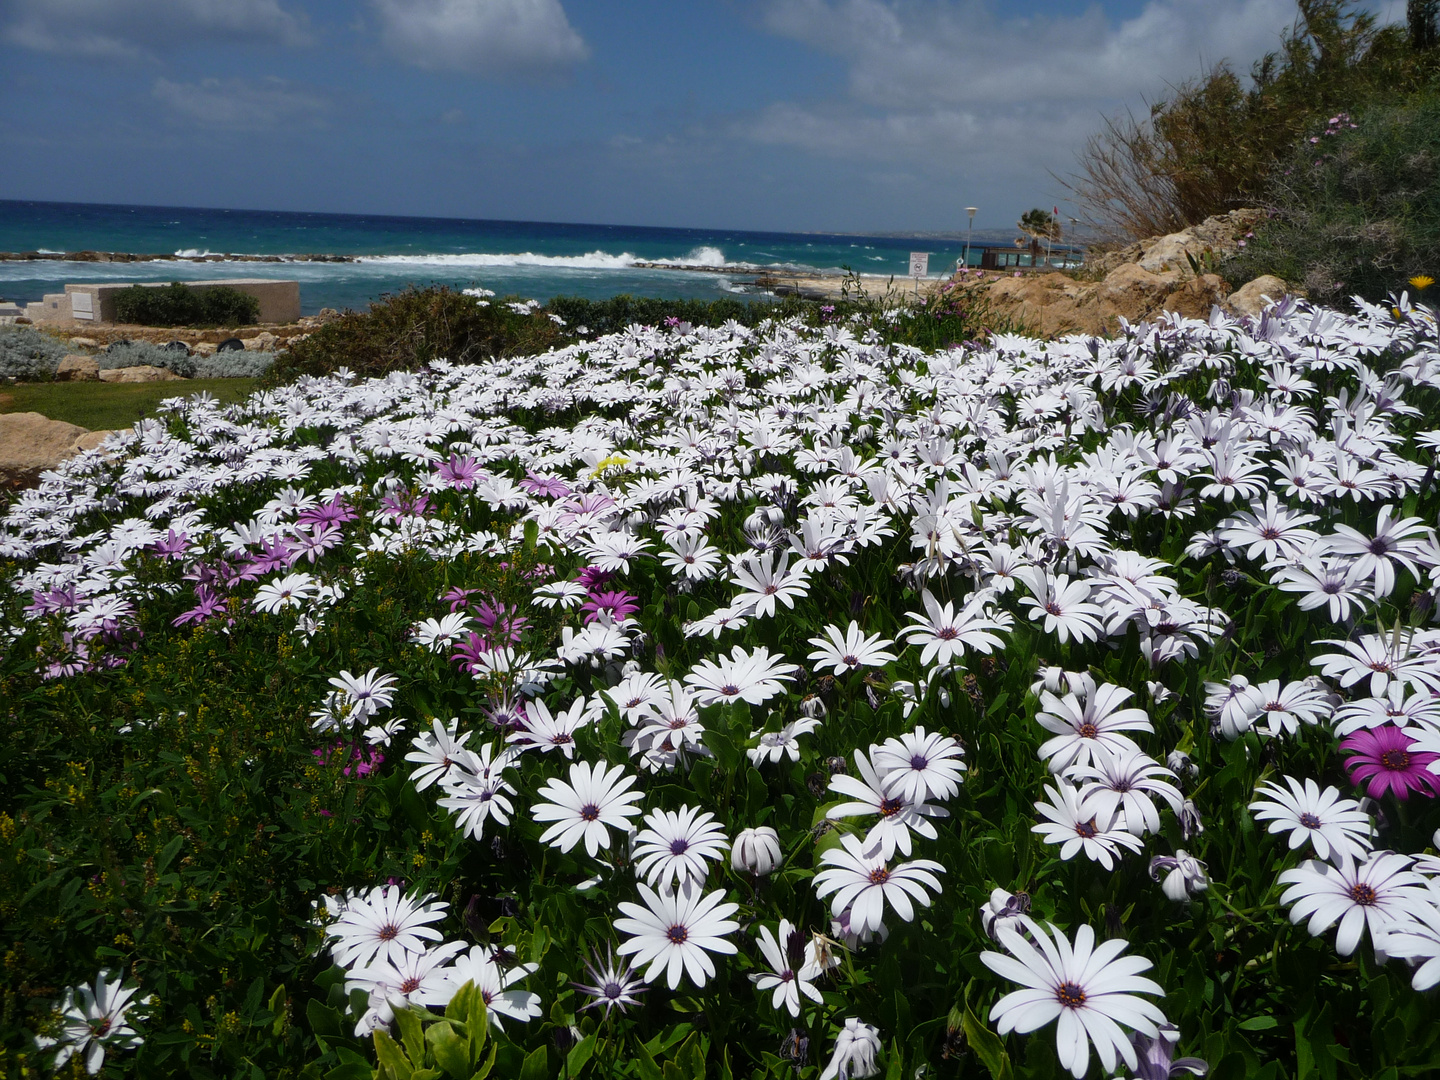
(481, 37)
(135, 27)
(955, 88)
(238, 105)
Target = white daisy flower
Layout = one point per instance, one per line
(678, 846)
(1090, 992)
(383, 925)
(674, 932)
(861, 880)
(1375, 893)
(1334, 826)
(786, 978)
(595, 800)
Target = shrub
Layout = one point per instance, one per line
(1213, 144)
(407, 330)
(178, 304)
(123, 354)
(233, 364)
(28, 354)
(1357, 208)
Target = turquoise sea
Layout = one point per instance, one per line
(533, 259)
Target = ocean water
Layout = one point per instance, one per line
(532, 259)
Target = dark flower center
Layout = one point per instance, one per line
(879, 875)
(1396, 760)
(612, 991)
(729, 690)
(679, 846)
(409, 986)
(1087, 730)
(589, 812)
(1053, 608)
(889, 807)
(1270, 533)
(1309, 820)
(919, 761)
(947, 633)
(851, 660)
(1070, 995)
(388, 932)
(677, 934)
(1362, 894)
(1086, 829)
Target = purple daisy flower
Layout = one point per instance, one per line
(1384, 756)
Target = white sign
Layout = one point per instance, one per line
(81, 305)
(919, 263)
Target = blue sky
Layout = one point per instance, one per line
(844, 115)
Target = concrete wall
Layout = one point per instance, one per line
(55, 307)
(279, 300)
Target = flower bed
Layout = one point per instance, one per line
(743, 703)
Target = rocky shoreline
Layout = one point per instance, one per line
(132, 257)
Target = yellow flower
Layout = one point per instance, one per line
(1422, 281)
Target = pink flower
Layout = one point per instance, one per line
(1385, 757)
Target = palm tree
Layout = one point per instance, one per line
(1038, 225)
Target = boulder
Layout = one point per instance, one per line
(91, 439)
(29, 440)
(84, 343)
(139, 373)
(1255, 296)
(261, 342)
(205, 348)
(76, 368)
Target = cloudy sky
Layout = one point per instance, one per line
(843, 115)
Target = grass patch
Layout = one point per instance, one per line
(97, 405)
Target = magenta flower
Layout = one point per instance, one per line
(459, 597)
(336, 512)
(459, 472)
(363, 760)
(403, 504)
(618, 604)
(499, 621)
(1384, 757)
(210, 605)
(467, 656)
(591, 578)
(172, 547)
(547, 486)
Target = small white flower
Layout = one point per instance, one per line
(94, 1023)
(675, 931)
(678, 846)
(757, 851)
(594, 799)
(855, 1049)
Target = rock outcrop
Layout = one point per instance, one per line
(1138, 283)
(29, 440)
(138, 373)
(77, 368)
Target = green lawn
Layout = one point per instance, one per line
(97, 405)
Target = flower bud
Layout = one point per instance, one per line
(756, 851)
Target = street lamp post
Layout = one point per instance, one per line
(970, 228)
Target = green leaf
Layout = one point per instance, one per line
(896, 1069)
(1259, 1023)
(351, 1070)
(988, 1047)
(489, 1063)
(691, 1059)
(645, 1063)
(323, 1019)
(580, 1055)
(276, 1006)
(412, 1034)
(391, 1056)
(451, 1052)
(537, 1066)
(168, 852)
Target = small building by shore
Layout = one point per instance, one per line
(279, 300)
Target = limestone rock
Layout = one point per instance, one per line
(1255, 296)
(139, 373)
(84, 343)
(261, 342)
(206, 348)
(29, 440)
(75, 368)
(91, 439)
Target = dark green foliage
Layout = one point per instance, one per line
(177, 304)
(1214, 144)
(408, 329)
(618, 312)
(1356, 213)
